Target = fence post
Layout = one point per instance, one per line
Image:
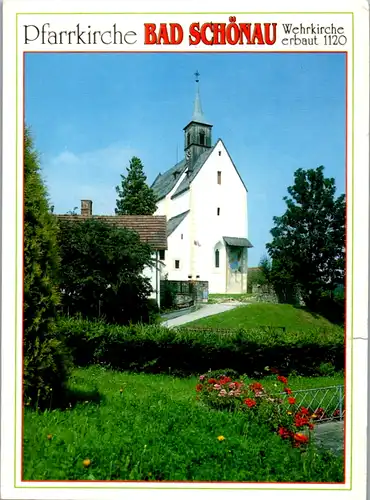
(340, 403)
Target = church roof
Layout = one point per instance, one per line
(173, 223)
(152, 229)
(237, 242)
(185, 183)
(164, 183)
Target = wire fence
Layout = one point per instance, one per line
(326, 403)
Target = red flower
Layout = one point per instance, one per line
(250, 402)
(282, 379)
(320, 412)
(287, 390)
(301, 421)
(212, 381)
(224, 380)
(336, 413)
(304, 411)
(256, 387)
(284, 433)
(311, 426)
(291, 401)
(199, 387)
(300, 438)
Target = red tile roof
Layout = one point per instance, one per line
(152, 229)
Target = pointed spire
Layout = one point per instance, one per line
(198, 115)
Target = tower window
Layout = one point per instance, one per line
(218, 210)
(188, 138)
(218, 177)
(219, 153)
(177, 264)
(217, 258)
(161, 254)
(201, 138)
(182, 236)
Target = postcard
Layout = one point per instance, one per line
(185, 214)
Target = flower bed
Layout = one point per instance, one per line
(284, 416)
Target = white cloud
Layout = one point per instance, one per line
(91, 175)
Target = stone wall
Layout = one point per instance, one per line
(265, 293)
(188, 293)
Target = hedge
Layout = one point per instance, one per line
(157, 349)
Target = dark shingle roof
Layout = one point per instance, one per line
(164, 183)
(185, 183)
(152, 229)
(237, 242)
(173, 223)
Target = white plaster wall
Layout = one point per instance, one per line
(179, 204)
(206, 226)
(178, 249)
(154, 274)
(172, 207)
(203, 225)
(161, 207)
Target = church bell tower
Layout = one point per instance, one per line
(198, 132)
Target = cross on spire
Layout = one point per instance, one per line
(197, 110)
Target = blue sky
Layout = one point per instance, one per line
(90, 113)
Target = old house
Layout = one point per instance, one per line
(151, 229)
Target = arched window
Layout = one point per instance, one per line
(201, 138)
(188, 138)
(217, 258)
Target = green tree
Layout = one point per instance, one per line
(307, 249)
(101, 273)
(265, 269)
(256, 277)
(135, 197)
(46, 362)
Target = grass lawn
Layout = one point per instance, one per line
(156, 430)
(275, 315)
(218, 297)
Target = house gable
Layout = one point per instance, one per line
(228, 154)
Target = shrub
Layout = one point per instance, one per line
(158, 349)
(227, 372)
(168, 295)
(101, 271)
(153, 315)
(332, 307)
(256, 277)
(326, 369)
(46, 363)
(46, 368)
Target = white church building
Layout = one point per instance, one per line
(206, 204)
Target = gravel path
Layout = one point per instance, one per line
(204, 311)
